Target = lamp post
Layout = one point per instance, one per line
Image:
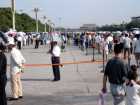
(13, 13)
(53, 27)
(36, 10)
(44, 17)
(49, 21)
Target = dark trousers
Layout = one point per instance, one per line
(56, 71)
(36, 43)
(19, 44)
(3, 100)
(125, 51)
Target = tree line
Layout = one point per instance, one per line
(120, 27)
(23, 21)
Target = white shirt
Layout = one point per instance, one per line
(19, 38)
(16, 61)
(132, 97)
(56, 51)
(122, 39)
(137, 46)
(110, 38)
(127, 42)
(98, 39)
(10, 39)
(104, 46)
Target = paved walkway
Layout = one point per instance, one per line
(80, 83)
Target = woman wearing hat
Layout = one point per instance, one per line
(3, 77)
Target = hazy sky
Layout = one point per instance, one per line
(74, 13)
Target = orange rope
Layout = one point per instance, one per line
(65, 63)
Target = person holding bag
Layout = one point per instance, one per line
(116, 72)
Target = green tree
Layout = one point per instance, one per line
(23, 21)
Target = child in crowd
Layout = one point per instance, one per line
(133, 87)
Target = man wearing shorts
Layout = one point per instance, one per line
(116, 72)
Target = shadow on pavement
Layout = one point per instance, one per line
(58, 100)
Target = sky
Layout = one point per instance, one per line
(75, 13)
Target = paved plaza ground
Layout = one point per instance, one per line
(80, 83)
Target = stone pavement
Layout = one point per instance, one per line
(80, 83)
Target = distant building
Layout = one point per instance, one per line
(135, 18)
(88, 27)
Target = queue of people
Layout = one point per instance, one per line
(123, 80)
(105, 42)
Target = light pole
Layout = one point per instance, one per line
(44, 18)
(36, 10)
(13, 13)
(49, 21)
(53, 27)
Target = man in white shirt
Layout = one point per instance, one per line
(98, 41)
(127, 45)
(110, 43)
(56, 51)
(137, 50)
(16, 64)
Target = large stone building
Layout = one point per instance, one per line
(88, 27)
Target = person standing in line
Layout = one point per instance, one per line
(116, 72)
(86, 43)
(98, 41)
(121, 40)
(127, 45)
(104, 46)
(110, 43)
(16, 65)
(37, 41)
(3, 76)
(56, 51)
(137, 50)
(19, 42)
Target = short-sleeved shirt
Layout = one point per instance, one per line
(127, 42)
(116, 71)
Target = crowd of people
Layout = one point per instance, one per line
(122, 76)
(104, 43)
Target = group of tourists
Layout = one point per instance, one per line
(105, 42)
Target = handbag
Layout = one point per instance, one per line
(101, 100)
